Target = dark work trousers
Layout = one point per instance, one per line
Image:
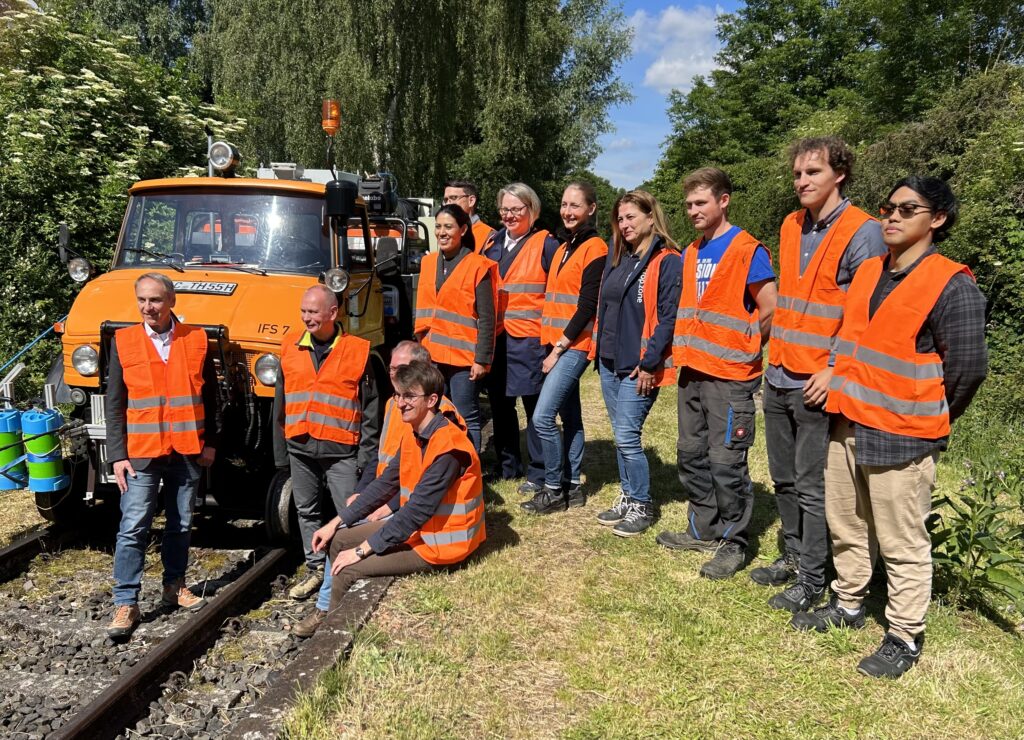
(398, 561)
(797, 438)
(504, 419)
(308, 475)
(716, 428)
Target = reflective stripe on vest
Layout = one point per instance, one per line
(522, 288)
(565, 282)
(447, 319)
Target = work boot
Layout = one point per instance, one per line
(178, 595)
(308, 586)
(784, 570)
(727, 560)
(575, 496)
(893, 658)
(830, 615)
(529, 489)
(309, 624)
(126, 619)
(639, 517)
(797, 598)
(546, 501)
(614, 515)
(684, 541)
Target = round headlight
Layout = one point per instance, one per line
(85, 360)
(80, 269)
(224, 157)
(336, 279)
(78, 397)
(266, 368)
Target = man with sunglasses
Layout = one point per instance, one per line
(820, 249)
(910, 356)
(465, 194)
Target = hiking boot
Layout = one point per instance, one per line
(830, 615)
(784, 570)
(546, 502)
(309, 624)
(727, 560)
(177, 595)
(614, 515)
(529, 489)
(308, 586)
(126, 619)
(575, 496)
(797, 598)
(893, 657)
(638, 518)
(683, 541)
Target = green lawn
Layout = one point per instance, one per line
(560, 629)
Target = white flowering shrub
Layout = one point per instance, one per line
(81, 119)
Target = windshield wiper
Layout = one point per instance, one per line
(233, 266)
(164, 259)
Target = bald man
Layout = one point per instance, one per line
(326, 409)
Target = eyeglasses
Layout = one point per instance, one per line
(514, 211)
(409, 397)
(453, 198)
(906, 210)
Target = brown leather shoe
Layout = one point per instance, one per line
(176, 594)
(126, 619)
(309, 624)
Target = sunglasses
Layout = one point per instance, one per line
(906, 210)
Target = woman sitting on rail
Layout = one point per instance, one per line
(635, 322)
(436, 472)
(456, 312)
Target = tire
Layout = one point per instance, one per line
(280, 518)
(66, 506)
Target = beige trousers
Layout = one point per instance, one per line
(875, 510)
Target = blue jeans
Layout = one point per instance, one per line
(561, 395)
(180, 477)
(464, 394)
(628, 412)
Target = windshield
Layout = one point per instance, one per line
(263, 231)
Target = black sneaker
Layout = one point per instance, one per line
(893, 657)
(614, 515)
(546, 502)
(684, 541)
(529, 489)
(830, 615)
(576, 496)
(727, 560)
(784, 570)
(638, 518)
(797, 598)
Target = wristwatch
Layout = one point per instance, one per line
(561, 347)
(361, 553)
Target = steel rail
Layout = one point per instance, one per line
(14, 556)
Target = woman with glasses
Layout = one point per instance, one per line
(456, 314)
(567, 326)
(524, 254)
(639, 298)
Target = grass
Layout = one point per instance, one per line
(18, 515)
(560, 629)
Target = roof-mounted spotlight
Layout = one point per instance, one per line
(224, 158)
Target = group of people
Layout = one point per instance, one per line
(876, 346)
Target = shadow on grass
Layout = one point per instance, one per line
(499, 535)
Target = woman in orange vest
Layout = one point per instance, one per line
(524, 254)
(567, 327)
(436, 472)
(639, 298)
(456, 312)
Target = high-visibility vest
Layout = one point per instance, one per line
(717, 336)
(325, 404)
(457, 526)
(810, 306)
(666, 373)
(481, 232)
(165, 400)
(393, 428)
(880, 380)
(563, 293)
(522, 289)
(448, 318)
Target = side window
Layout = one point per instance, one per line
(153, 231)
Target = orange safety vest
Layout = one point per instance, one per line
(522, 289)
(666, 374)
(165, 400)
(880, 380)
(810, 306)
(563, 293)
(393, 428)
(481, 232)
(718, 337)
(457, 526)
(325, 404)
(448, 319)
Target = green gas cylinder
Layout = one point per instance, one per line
(43, 450)
(12, 452)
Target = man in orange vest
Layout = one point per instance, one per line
(327, 422)
(437, 475)
(163, 425)
(910, 356)
(725, 313)
(820, 249)
(465, 195)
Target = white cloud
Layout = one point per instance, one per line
(682, 41)
(619, 144)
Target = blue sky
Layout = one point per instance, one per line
(673, 41)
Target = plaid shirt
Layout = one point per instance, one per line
(955, 329)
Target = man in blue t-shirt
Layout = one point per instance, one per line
(724, 319)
